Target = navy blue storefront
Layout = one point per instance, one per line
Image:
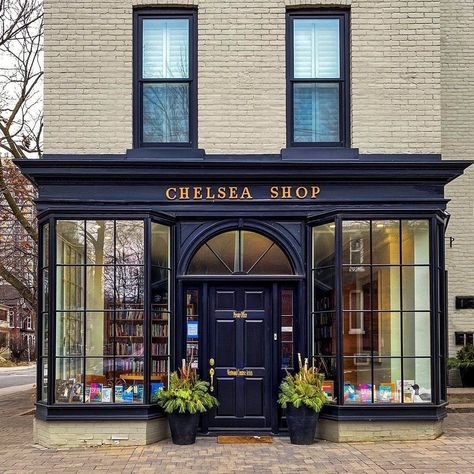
(237, 264)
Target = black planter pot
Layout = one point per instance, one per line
(183, 427)
(467, 376)
(302, 424)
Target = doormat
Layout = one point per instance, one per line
(244, 439)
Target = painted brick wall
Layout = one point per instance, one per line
(457, 78)
(395, 75)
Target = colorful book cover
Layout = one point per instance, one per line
(328, 388)
(96, 392)
(385, 392)
(128, 395)
(349, 392)
(365, 392)
(138, 392)
(118, 393)
(106, 394)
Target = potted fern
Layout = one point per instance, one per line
(303, 397)
(186, 397)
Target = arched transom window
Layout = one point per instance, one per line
(240, 252)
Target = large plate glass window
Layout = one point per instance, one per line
(166, 85)
(105, 334)
(386, 311)
(317, 88)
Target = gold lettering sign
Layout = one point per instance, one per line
(239, 373)
(239, 193)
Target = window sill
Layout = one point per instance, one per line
(320, 153)
(158, 153)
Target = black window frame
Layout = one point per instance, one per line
(159, 13)
(344, 81)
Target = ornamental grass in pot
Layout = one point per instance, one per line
(303, 397)
(185, 399)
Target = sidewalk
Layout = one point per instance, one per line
(452, 453)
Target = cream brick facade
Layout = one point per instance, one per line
(395, 75)
(404, 54)
(457, 79)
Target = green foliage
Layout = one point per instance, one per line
(303, 388)
(186, 393)
(465, 357)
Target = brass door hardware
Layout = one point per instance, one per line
(240, 315)
(211, 375)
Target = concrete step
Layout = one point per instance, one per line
(461, 395)
(461, 408)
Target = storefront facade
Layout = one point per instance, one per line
(234, 185)
(239, 269)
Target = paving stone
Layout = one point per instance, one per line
(451, 453)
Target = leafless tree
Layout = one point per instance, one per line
(21, 126)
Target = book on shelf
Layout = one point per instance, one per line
(159, 366)
(129, 348)
(158, 348)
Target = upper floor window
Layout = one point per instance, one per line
(318, 89)
(165, 78)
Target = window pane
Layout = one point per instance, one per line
(70, 242)
(274, 262)
(416, 288)
(324, 326)
(415, 242)
(99, 333)
(387, 375)
(357, 334)
(45, 295)
(356, 242)
(45, 335)
(417, 380)
(166, 48)
(357, 379)
(356, 288)
(386, 242)
(166, 113)
(129, 283)
(100, 242)
(253, 246)
(100, 287)
(44, 379)
(68, 386)
(324, 292)
(327, 366)
(45, 261)
(287, 333)
(192, 329)
(129, 380)
(99, 380)
(416, 334)
(387, 334)
(130, 242)
(324, 245)
(70, 287)
(160, 245)
(316, 112)
(386, 288)
(316, 48)
(69, 333)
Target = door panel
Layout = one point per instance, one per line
(240, 344)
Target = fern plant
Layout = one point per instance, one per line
(186, 393)
(303, 388)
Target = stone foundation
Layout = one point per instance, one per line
(71, 434)
(345, 431)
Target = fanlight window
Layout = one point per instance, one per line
(240, 252)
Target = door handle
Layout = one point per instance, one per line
(211, 375)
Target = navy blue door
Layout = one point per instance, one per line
(240, 355)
